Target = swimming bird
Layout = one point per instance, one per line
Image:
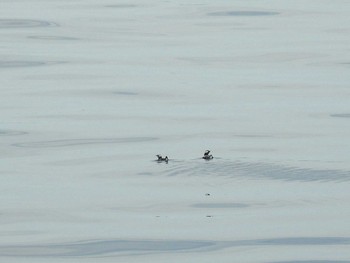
(162, 159)
(207, 156)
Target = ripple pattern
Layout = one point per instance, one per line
(125, 93)
(75, 142)
(251, 170)
(11, 133)
(19, 63)
(104, 247)
(121, 6)
(25, 23)
(341, 115)
(314, 261)
(220, 205)
(243, 13)
(53, 38)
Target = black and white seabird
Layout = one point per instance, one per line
(162, 159)
(207, 156)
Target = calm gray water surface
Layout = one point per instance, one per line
(91, 91)
(105, 247)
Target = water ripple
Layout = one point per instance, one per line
(341, 115)
(25, 23)
(125, 93)
(53, 38)
(11, 133)
(243, 13)
(121, 6)
(221, 205)
(23, 63)
(75, 142)
(104, 247)
(256, 171)
(100, 247)
(296, 241)
(313, 261)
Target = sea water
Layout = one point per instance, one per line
(92, 90)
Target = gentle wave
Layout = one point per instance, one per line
(24, 23)
(104, 247)
(11, 133)
(23, 63)
(74, 142)
(252, 170)
(341, 115)
(243, 13)
(101, 247)
(313, 261)
(121, 6)
(53, 38)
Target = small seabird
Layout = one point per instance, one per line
(207, 156)
(162, 159)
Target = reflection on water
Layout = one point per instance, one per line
(23, 23)
(74, 142)
(256, 171)
(103, 247)
(243, 13)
